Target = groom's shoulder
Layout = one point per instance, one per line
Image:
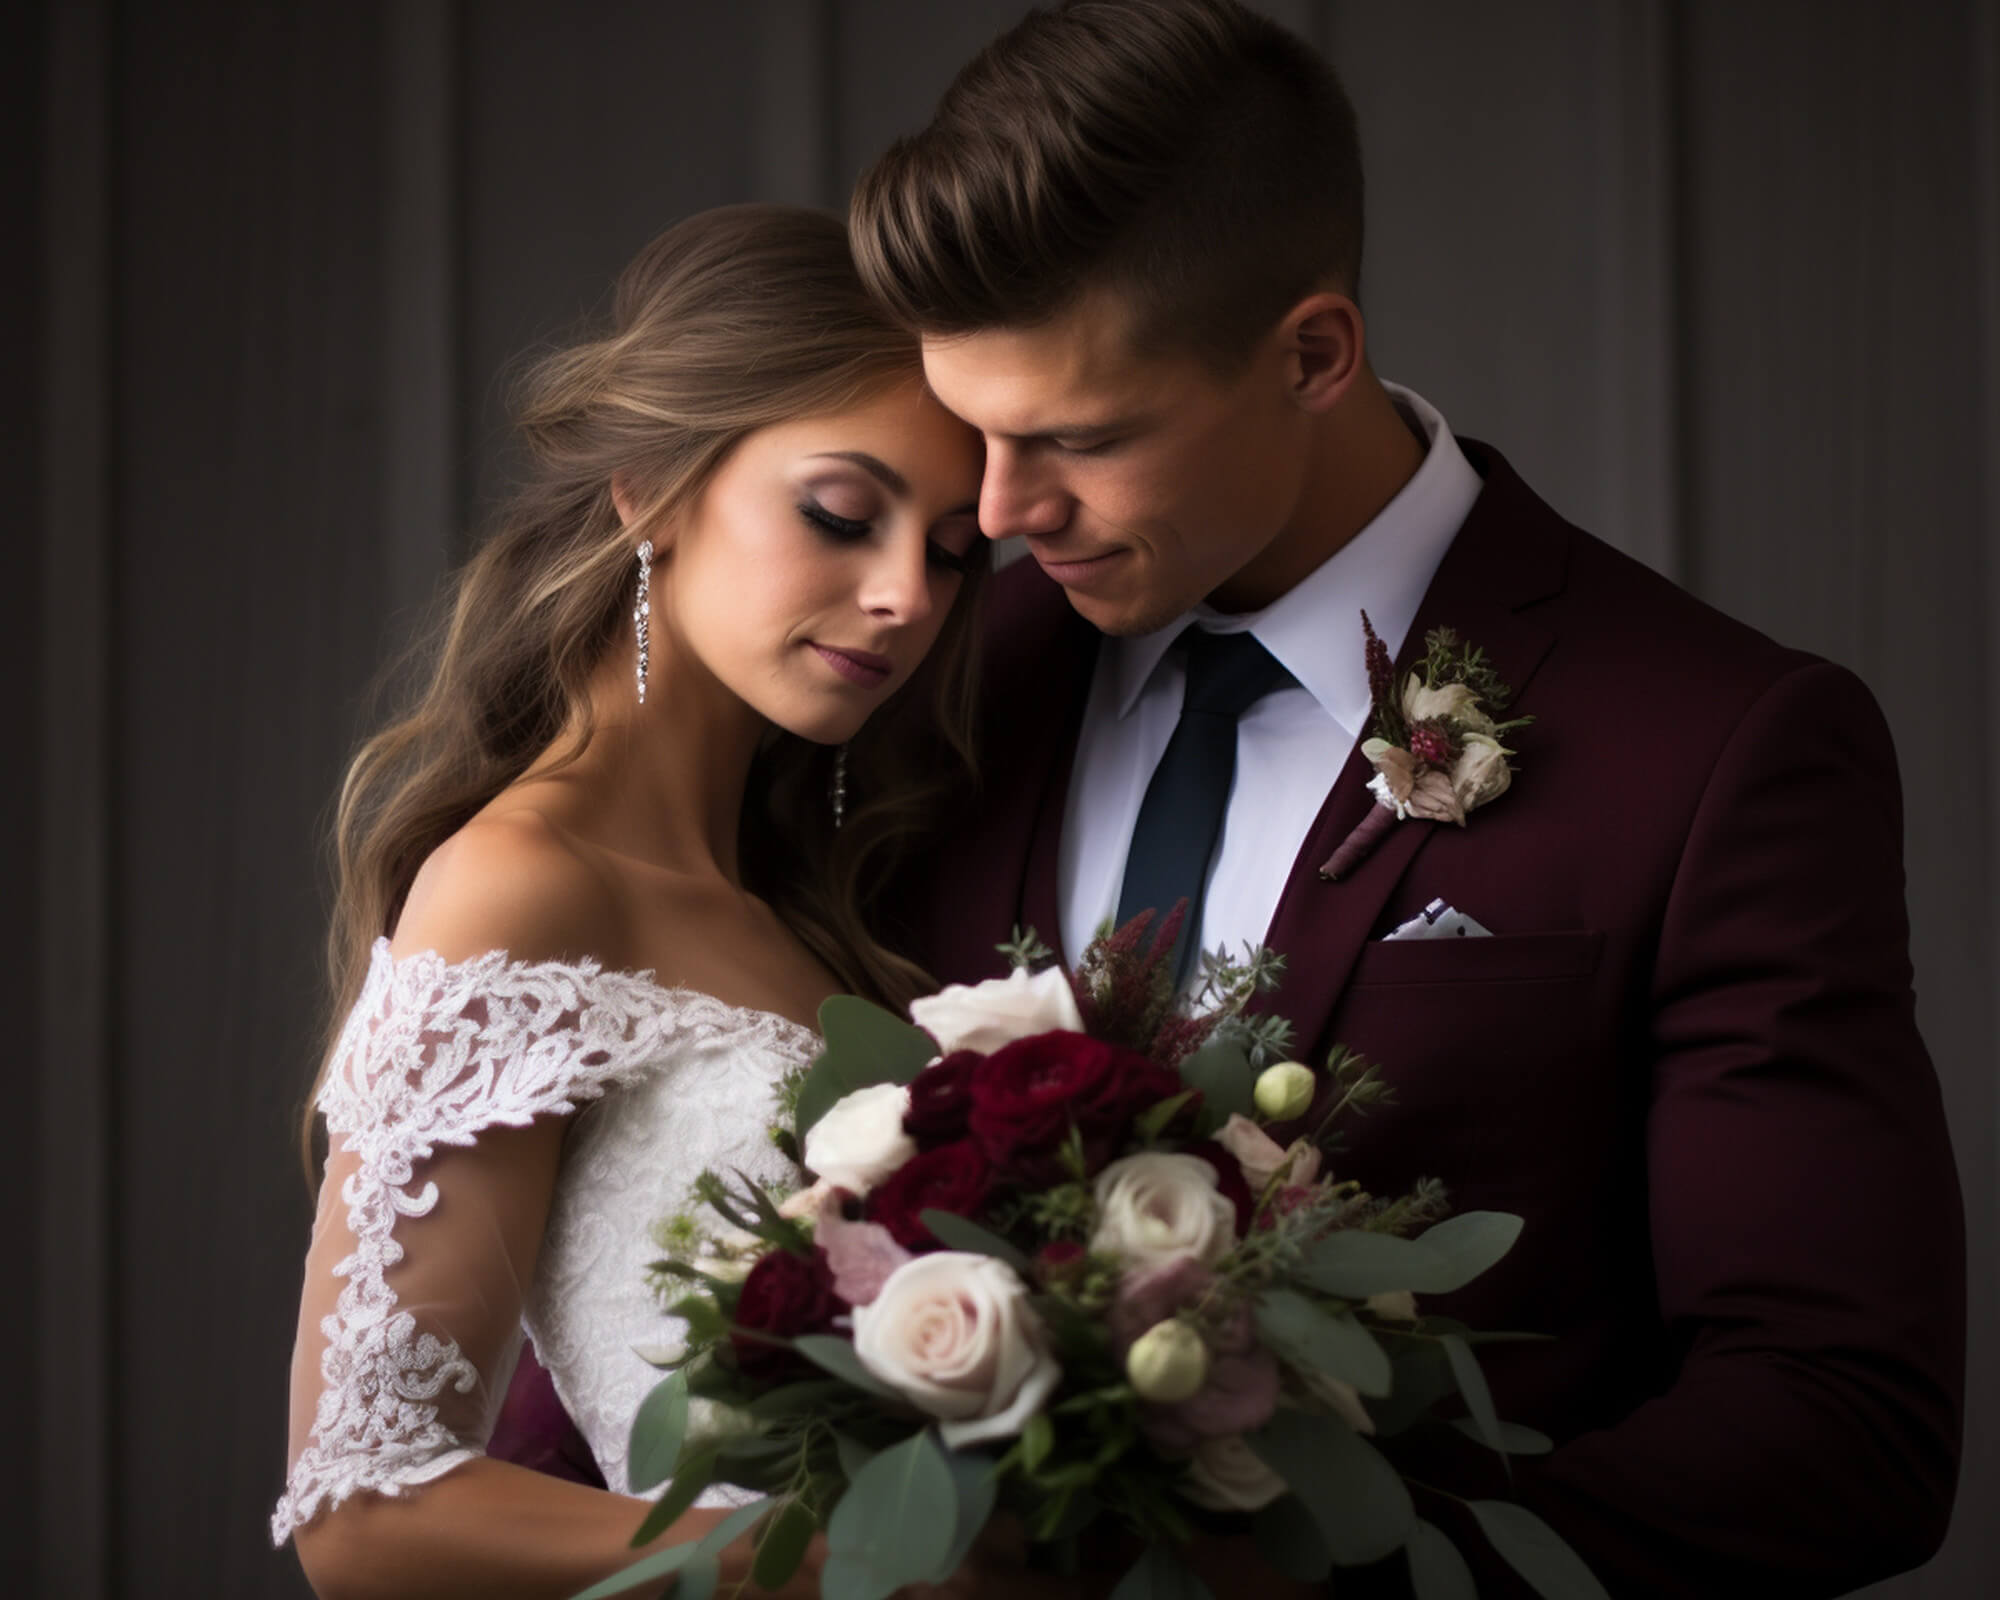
(1621, 621)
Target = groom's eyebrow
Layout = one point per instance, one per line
(880, 470)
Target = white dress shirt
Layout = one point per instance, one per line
(1291, 745)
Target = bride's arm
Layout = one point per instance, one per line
(446, 1103)
(483, 1527)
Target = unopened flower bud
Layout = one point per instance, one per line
(1284, 1092)
(1167, 1363)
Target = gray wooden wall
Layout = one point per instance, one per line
(1723, 278)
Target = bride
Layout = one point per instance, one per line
(594, 887)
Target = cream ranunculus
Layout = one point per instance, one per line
(1451, 702)
(985, 1016)
(1155, 1206)
(1480, 774)
(1227, 1475)
(1260, 1156)
(954, 1334)
(860, 1140)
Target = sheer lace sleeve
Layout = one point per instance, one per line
(430, 1212)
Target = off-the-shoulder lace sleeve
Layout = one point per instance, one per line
(409, 1322)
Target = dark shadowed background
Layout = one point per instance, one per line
(1723, 279)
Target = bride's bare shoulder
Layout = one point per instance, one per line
(511, 880)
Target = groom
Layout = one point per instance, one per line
(1678, 1033)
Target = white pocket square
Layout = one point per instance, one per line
(1439, 921)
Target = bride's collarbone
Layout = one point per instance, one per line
(727, 943)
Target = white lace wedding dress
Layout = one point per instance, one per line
(420, 1280)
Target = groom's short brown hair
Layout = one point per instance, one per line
(1191, 154)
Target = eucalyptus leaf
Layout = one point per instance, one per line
(1221, 1071)
(823, 1088)
(895, 1524)
(1160, 1574)
(783, 1545)
(1469, 1243)
(688, 1559)
(698, 1579)
(1478, 1398)
(1289, 1538)
(854, 1455)
(1323, 1341)
(1358, 1500)
(1422, 1378)
(808, 1395)
(830, 1353)
(657, 1432)
(1536, 1551)
(696, 1471)
(1354, 1263)
(977, 1486)
(960, 1233)
(660, 1564)
(1437, 1570)
(1515, 1439)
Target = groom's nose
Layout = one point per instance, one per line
(1019, 495)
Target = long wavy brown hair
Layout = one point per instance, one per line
(733, 320)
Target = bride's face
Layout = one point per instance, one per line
(816, 569)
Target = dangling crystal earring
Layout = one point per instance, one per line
(642, 612)
(838, 791)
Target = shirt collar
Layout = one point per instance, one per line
(1383, 570)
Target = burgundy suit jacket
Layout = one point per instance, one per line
(1687, 1057)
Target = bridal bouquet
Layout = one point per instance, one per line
(1055, 1258)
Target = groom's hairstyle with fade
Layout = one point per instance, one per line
(1190, 154)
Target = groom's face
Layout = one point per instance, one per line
(1142, 481)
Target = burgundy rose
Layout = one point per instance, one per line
(1026, 1096)
(1060, 1261)
(953, 1177)
(940, 1099)
(1229, 1179)
(785, 1295)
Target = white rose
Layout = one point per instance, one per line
(1227, 1475)
(1154, 1207)
(860, 1140)
(954, 1334)
(985, 1016)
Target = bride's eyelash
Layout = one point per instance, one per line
(841, 528)
(844, 530)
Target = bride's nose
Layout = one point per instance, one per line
(896, 581)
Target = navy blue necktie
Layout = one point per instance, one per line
(1180, 819)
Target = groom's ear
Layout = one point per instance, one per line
(1324, 348)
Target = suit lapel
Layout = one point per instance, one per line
(1509, 555)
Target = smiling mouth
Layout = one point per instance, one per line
(862, 667)
(1076, 570)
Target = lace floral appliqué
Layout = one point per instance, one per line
(431, 1054)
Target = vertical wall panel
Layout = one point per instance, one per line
(1515, 266)
(74, 1250)
(249, 583)
(1834, 491)
(587, 129)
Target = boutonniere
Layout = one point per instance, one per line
(1436, 749)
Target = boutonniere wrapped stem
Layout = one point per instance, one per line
(1436, 748)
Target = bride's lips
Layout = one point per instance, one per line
(857, 666)
(1078, 572)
